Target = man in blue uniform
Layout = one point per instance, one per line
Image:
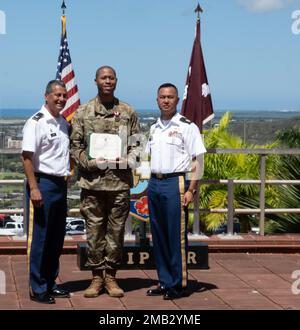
(45, 157)
(174, 146)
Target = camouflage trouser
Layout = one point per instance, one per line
(105, 213)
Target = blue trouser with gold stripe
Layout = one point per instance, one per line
(168, 220)
(46, 232)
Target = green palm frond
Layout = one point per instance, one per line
(214, 221)
(287, 168)
(235, 166)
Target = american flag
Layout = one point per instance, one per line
(66, 73)
(197, 103)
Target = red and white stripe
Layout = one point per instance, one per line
(73, 101)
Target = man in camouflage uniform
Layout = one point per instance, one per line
(105, 196)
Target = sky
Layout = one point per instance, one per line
(251, 53)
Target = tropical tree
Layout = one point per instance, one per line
(232, 166)
(287, 168)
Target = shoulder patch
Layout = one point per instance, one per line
(185, 120)
(38, 116)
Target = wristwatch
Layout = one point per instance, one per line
(193, 191)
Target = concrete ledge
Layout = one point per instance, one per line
(280, 243)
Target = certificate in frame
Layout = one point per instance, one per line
(106, 146)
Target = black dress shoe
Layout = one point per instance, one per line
(43, 298)
(60, 293)
(158, 291)
(174, 293)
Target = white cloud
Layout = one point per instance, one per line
(264, 5)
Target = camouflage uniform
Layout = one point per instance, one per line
(105, 192)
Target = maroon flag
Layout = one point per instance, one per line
(197, 102)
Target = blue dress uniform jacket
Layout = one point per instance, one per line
(47, 138)
(172, 148)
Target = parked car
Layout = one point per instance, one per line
(78, 230)
(12, 229)
(72, 223)
(17, 217)
(4, 219)
(75, 226)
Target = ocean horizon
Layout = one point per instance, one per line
(237, 114)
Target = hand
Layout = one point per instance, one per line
(143, 171)
(119, 162)
(36, 197)
(188, 198)
(101, 163)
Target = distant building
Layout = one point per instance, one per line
(14, 144)
(2, 139)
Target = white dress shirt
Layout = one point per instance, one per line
(173, 146)
(47, 137)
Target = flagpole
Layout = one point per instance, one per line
(196, 223)
(63, 7)
(65, 70)
(63, 17)
(197, 102)
(198, 10)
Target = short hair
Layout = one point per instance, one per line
(105, 67)
(167, 85)
(51, 83)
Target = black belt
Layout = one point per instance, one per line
(48, 176)
(162, 176)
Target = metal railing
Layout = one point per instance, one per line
(14, 182)
(230, 210)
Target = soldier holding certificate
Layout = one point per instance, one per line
(104, 149)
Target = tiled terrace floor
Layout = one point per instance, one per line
(234, 281)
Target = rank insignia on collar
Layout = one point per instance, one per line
(185, 120)
(38, 116)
